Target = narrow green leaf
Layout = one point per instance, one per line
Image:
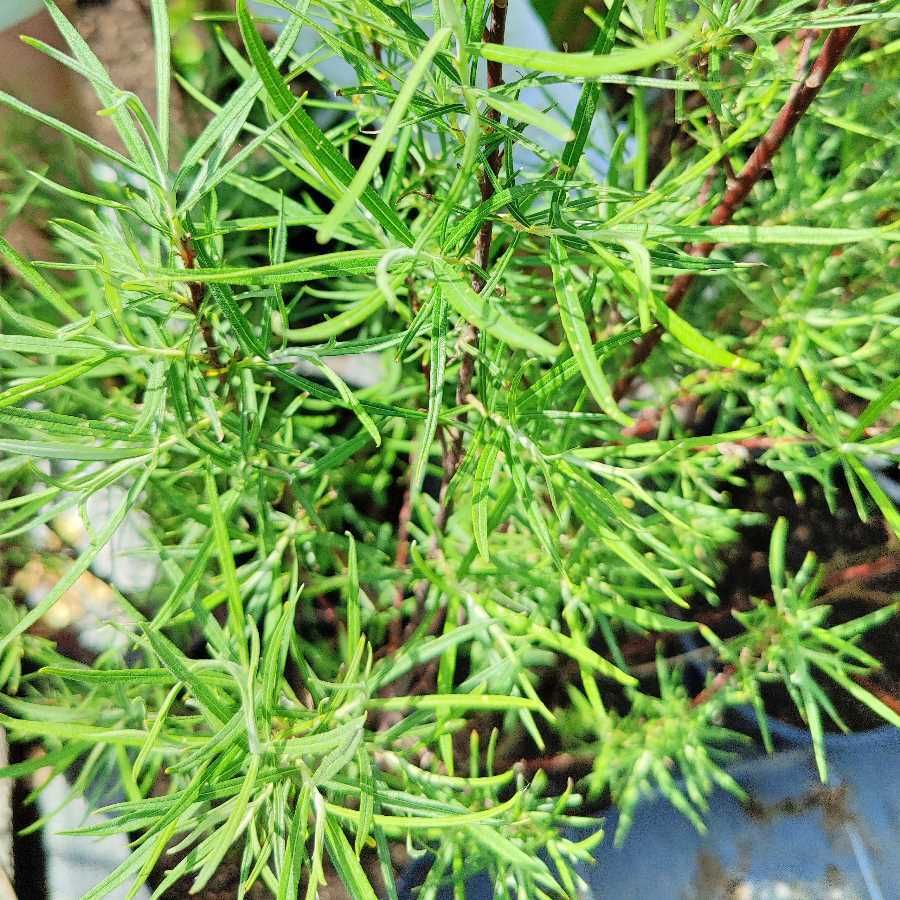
(59, 450)
(356, 313)
(406, 658)
(44, 346)
(884, 503)
(99, 540)
(323, 392)
(416, 33)
(401, 825)
(551, 381)
(79, 137)
(177, 663)
(587, 105)
(366, 800)
(317, 149)
(335, 457)
(814, 722)
(226, 836)
(353, 611)
(579, 336)
(132, 866)
(78, 196)
(360, 182)
(584, 65)
(532, 508)
(515, 109)
(642, 271)
(648, 619)
(225, 301)
(860, 693)
(437, 366)
(231, 117)
(345, 862)
(352, 402)
(75, 731)
(691, 339)
(69, 426)
(777, 546)
(307, 268)
(618, 544)
(291, 864)
(236, 620)
(27, 389)
(488, 316)
(454, 701)
(162, 46)
(159, 720)
(581, 653)
(481, 490)
(118, 105)
(35, 279)
(873, 412)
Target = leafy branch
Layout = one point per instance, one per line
(758, 163)
(242, 349)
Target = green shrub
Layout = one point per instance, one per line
(426, 418)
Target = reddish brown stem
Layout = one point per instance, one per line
(886, 697)
(453, 455)
(198, 292)
(796, 105)
(493, 34)
(716, 685)
(876, 568)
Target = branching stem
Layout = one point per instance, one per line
(494, 33)
(795, 106)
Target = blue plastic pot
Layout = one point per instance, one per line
(14, 11)
(796, 838)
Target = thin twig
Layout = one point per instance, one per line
(864, 571)
(809, 37)
(716, 685)
(799, 100)
(493, 34)
(453, 453)
(198, 292)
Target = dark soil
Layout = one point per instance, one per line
(28, 850)
(837, 538)
(222, 886)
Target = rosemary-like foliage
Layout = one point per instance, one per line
(429, 400)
